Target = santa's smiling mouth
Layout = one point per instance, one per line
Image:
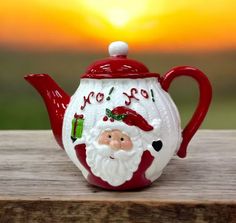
(112, 158)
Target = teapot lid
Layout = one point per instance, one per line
(117, 65)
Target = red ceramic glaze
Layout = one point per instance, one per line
(205, 96)
(55, 98)
(132, 118)
(118, 67)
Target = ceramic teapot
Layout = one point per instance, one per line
(121, 127)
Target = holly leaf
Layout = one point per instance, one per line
(116, 117)
(119, 117)
(108, 112)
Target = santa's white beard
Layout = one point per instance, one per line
(114, 167)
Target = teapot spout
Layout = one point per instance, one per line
(55, 99)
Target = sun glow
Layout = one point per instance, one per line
(92, 24)
(118, 13)
(118, 17)
(120, 20)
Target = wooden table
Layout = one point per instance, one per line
(38, 183)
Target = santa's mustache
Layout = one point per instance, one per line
(105, 150)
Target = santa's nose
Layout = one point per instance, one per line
(115, 144)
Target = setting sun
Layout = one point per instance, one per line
(118, 13)
(118, 17)
(147, 24)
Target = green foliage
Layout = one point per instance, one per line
(22, 108)
(114, 116)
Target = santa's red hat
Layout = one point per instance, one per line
(127, 116)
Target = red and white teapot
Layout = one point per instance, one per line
(121, 127)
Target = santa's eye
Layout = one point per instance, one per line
(109, 136)
(121, 139)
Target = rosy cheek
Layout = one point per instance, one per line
(127, 145)
(103, 140)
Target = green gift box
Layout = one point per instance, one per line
(77, 128)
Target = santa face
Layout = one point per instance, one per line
(116, 139)
(114, 156)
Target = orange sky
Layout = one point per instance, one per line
(157, 25)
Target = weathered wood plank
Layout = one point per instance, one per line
(37, 177)
(110, 211)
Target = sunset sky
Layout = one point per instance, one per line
(147, 25)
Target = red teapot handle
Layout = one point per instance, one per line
(203, 104)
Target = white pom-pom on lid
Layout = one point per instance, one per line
(118, 48)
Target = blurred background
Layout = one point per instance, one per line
(62, 38)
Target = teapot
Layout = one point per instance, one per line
(121, 127)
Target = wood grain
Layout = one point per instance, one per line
(38, 183)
